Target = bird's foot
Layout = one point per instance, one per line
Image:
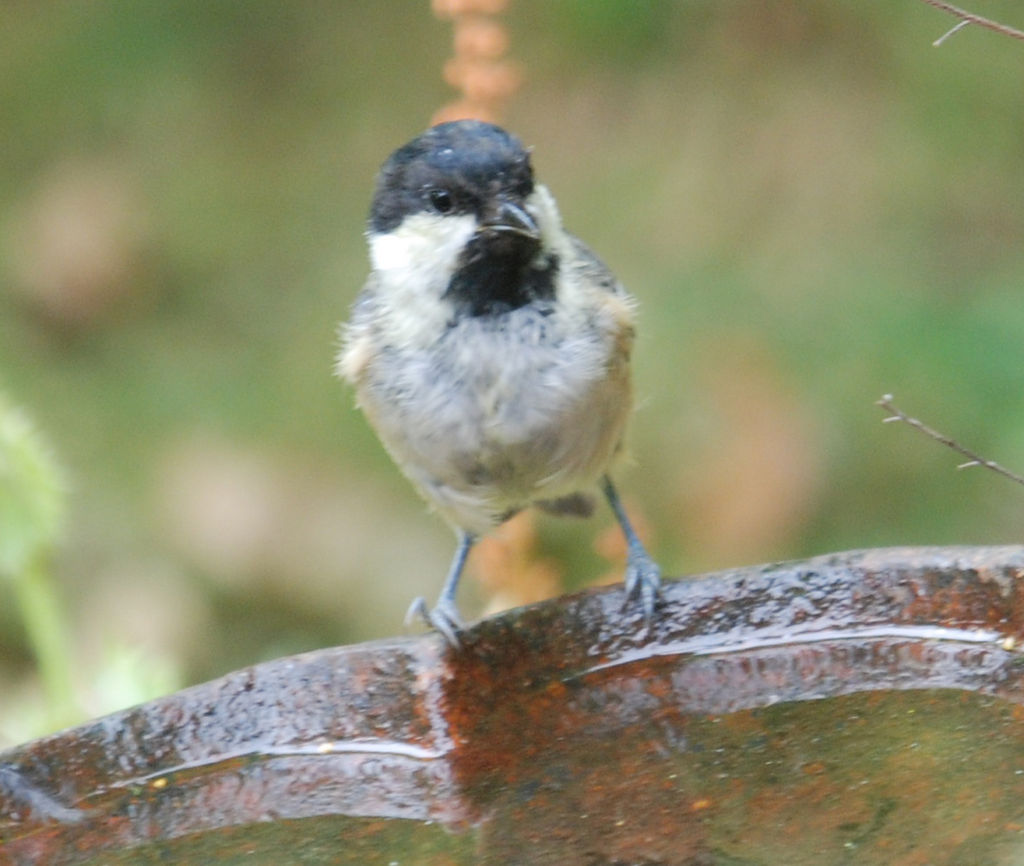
(643, 581)
(444, 617)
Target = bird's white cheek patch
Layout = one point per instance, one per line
(414, 264)
(423, 246)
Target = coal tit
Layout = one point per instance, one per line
(489, 348)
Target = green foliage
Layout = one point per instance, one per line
(31, 512)
(31, 494)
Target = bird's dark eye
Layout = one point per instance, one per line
(441, 200)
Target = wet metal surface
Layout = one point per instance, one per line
(860, 708)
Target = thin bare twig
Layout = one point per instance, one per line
(973, 459)
(970, 18)
(955, 29)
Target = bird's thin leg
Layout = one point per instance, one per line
(445, 614)
(643, 576)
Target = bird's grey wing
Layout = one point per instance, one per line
(590, 267)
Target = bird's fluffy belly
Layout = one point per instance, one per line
(486, 428)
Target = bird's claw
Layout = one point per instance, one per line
(643, 582)
(444, 617)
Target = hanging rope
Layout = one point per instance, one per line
(479, 68)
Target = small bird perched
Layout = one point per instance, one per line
(489, 348)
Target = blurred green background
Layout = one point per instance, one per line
(814, 205)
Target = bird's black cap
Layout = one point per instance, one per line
(454, 167)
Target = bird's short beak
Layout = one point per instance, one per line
(510, 217)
